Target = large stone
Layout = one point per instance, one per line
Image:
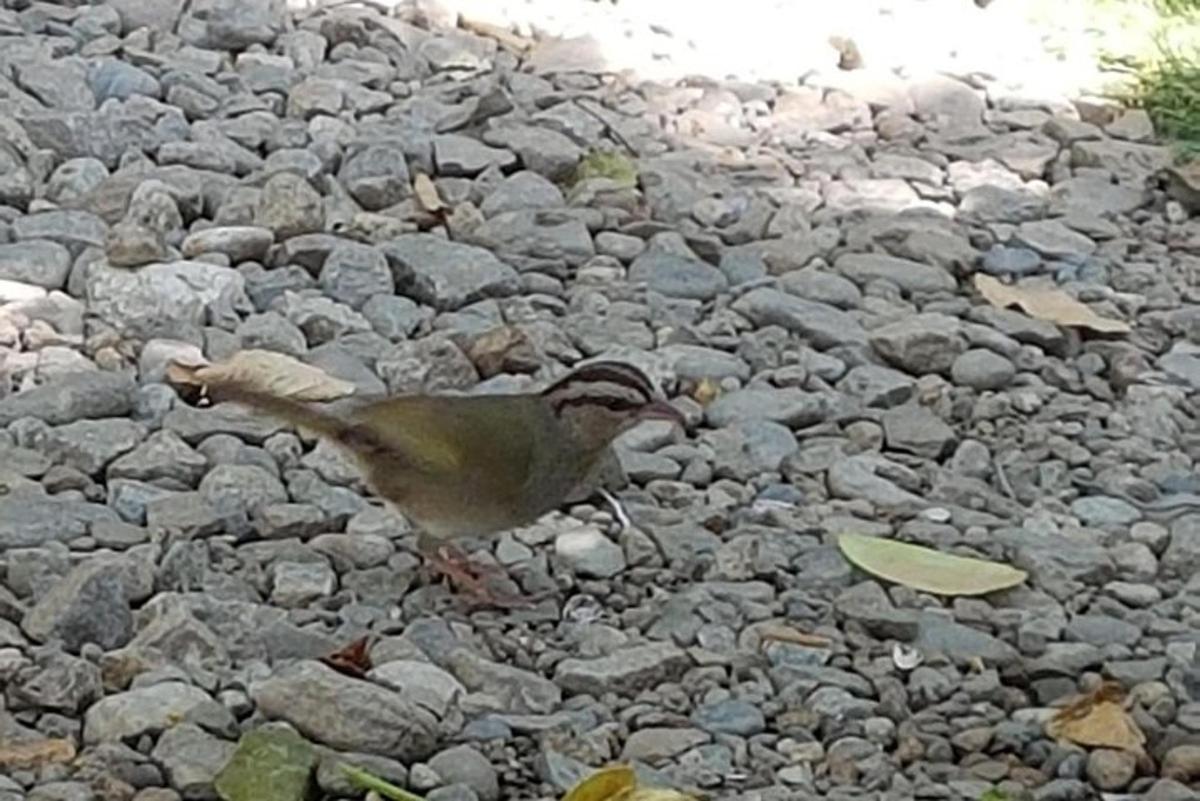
(447, 275)
(823, 325)
(89, 605)
(171, 300)
(345, 713)
(910, 276)
(152, 709)
(625, 672)
(921, 343)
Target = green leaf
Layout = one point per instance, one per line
(926, 569)
(365, 781)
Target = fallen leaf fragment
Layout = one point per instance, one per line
(427, 194)
(1098, 720)
(780, 633)
(925, 569)
(1046, 303)
(30, 754)
(265, 371)
(353, 660)
(619, 783)
(606, 784)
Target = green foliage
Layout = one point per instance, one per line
(1168, 88)
(1177, 8)
(994, 794)
(602, 164)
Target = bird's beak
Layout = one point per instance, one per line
(662, 410)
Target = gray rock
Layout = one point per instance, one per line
(456, 155)
(1054, 240)
(377, 176)
(794, 408)
(238, 242)
(322, 320)
(1006, 260)
(823, 287)
(821, 324)
(362, 717)
(421, 683)
(27, 522)
(543, 151)
(73, 229)
(353, 273)
(241, 489)
(744, 449)
(447, 275)
(38, 262)
(677, 276)
(982, 369)
(877, 386)
(297, 584)
(89, 605)
(539, 234)
(915, 429)
(58, 682)
(1182, 557)
(523, 190)
(1098, 510)
(589, 553)
(71, 397)
(395, 317)
(624, 672)
(731, 716)
(171, 300)
(289, 206)
(462, 764)
(74, 178)
(910, 276)
(192, 759)
(921, 343)
(151, 709)
(88, 445)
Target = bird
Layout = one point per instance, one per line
(458, 465)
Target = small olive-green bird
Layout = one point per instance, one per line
(470, 465)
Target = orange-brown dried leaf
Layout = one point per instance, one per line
(353, 660)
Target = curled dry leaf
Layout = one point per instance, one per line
(1098, 720)
(619, 783)
(1046, 303)
(925, 569)
(265, 371)
(30, 754)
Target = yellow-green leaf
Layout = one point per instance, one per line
(606, 784)
(926, 569)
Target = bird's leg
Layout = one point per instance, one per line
(469, 574)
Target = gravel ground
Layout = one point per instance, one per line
(181, 178)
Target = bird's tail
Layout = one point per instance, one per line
(295, 412)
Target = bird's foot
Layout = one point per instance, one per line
(472, 576)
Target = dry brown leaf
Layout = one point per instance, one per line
(265, 371)
(353, 660)
(607, 784)
(29, 754)
(1098, 720)
(427, 194)
(1046, 303)
(781, 633)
